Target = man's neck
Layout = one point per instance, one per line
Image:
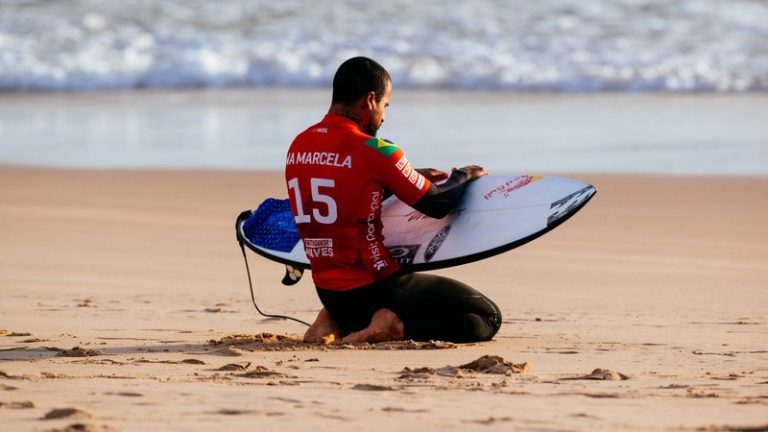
(345, 111)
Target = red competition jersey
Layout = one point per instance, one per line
(336, 176)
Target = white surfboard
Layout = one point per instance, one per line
(496, 214)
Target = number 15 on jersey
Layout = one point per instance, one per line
(320, 201)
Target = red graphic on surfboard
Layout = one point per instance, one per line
(511, 185)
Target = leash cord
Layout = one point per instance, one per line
(253, 298)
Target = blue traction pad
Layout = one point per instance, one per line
(272, 226)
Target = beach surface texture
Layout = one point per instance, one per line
(125, 306)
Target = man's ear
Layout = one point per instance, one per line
(370, 100)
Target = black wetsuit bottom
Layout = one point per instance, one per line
(431, 307)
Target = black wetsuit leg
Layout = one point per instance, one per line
(431, 307)
(352, 309)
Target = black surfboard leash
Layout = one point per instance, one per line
(250, 282)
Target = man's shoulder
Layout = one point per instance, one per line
(382, 146)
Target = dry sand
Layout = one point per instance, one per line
(125, 307)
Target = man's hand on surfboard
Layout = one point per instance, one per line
(473, 171)
(433, 174)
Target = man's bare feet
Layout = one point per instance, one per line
(324, 330)
(385, 326)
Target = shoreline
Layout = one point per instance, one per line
(302, 95)
(229, 130)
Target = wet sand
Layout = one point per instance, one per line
(126, 307)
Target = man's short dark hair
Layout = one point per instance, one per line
(356, 77)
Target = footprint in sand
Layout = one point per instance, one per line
(33, 340)
(261, 372)
(228, 351)
(372, 387)
(125, 394)
(230, 411)
(15, 334)
(84, 427)
(403, 410)
(17, 405)
(86, 303)
(10, 377)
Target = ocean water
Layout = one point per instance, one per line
(639, 86)
(517, 45)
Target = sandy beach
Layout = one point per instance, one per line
(126, 307)
(132, 134)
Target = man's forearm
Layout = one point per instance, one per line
(442, 198)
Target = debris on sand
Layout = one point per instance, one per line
(274, 342)
(425, 372)
(487, 364)
(413, 345)
(18, 334)
(491, 364)
(235, 367)
(259, 342)
(59, 413)
(600, 374)
(260, 372)
(246, 339)
(79, 352)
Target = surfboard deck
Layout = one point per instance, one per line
(497, 213)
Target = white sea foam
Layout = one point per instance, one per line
(558, 45)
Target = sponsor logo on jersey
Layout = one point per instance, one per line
(318, 247)
(375, 245)
(414, 177)
(411, 174)
(407, 171)
(319, 158)
(401, 163)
